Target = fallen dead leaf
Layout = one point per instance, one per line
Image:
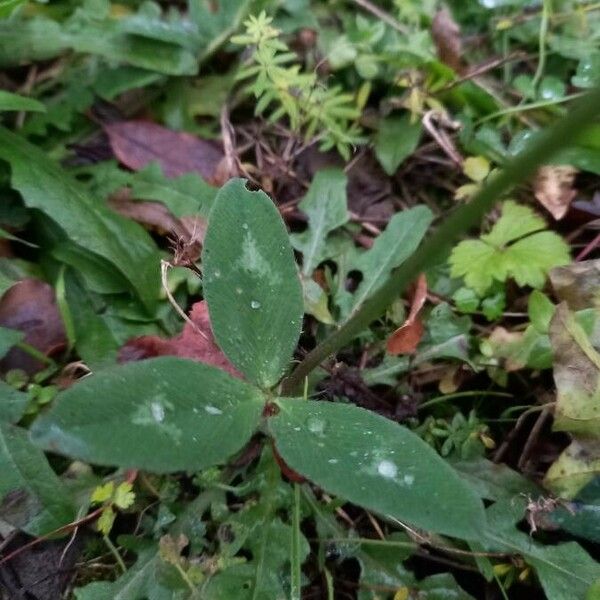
(407, 337)
(553, 188)
(446, 36)
(136, 144)
(30, 306)
(578, 284)
(188, 344)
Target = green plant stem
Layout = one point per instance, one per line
(532, 106)
(295, 562)
(543, 33)
(115, 553)
(469, 394)
(518, 170)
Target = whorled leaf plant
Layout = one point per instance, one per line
(170, 414)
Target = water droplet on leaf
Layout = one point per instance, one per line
(387, 469)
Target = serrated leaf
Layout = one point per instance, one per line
(251, 283)
(102, 493)
(325, 205)
(106, 520)
(87, 223)
(163, 415)
(124, 496)
(400, 239)
(32, 497)
(504, 252)
(377, 464)
(397, 138)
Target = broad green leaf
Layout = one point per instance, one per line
(325, 205)
(87, 222)
(504, 252)
(12, 403)
(375, 463)
(400, 239)
(581, 517)
(8, 338)
(184, 196)
(397, 138)
(8, 6)
(576, 374)
(566, 570)
(40, 38)
(163, 415)
(32, 497)
(10, 101)
(251, 283)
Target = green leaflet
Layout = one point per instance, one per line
(391, 248)
(515, 247)
(397, 138)
(325, 205)
(9, 101)
(32, 497)
(251, 283)
(87, 223)
(163, 414)
(375, 463)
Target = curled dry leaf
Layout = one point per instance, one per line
(136, 144)
(446, 35)
(188, 344)
(30, 306)
(553, 188)
(407, 337)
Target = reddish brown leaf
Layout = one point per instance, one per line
(407, 337)
(188, 344)
(553, 189)
(30, 306)
(446, 35)
(138, 143)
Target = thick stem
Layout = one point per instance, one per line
(519, 169)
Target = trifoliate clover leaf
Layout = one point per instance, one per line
(103, 493)
(106, 520)
(124, 497)
(517, 247)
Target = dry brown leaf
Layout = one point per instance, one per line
(188, 344)
(30, 306)
(138, 143)
(553, 188)
(407, 337)
(446, 36)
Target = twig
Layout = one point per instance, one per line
(165, 265)
(381, 14)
